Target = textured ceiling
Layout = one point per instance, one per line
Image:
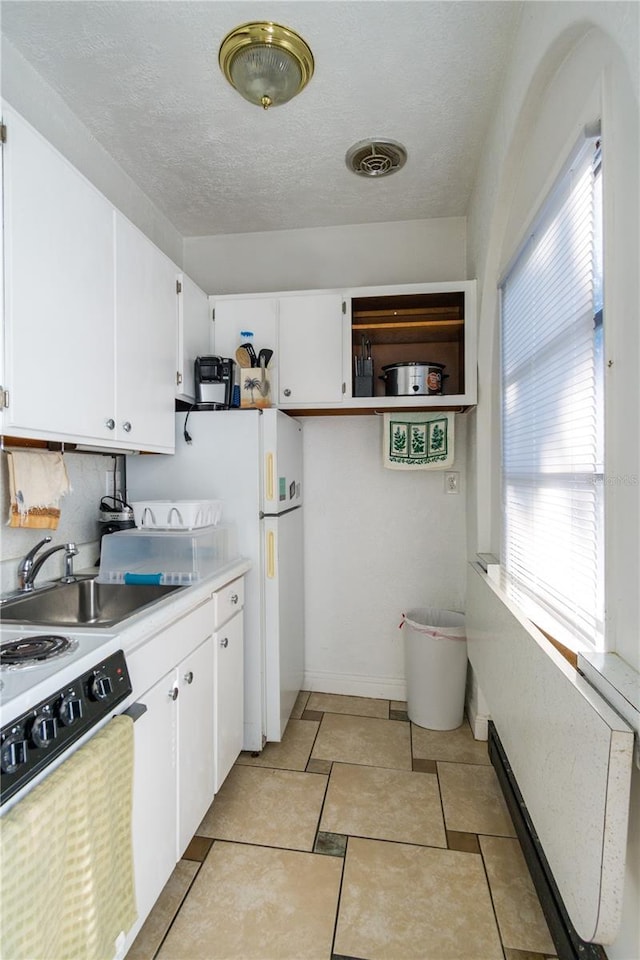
(144, 78)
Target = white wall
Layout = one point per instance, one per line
(378, 543)
(329, 257)
(569, 62)
(40, 105)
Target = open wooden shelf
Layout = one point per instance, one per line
(409, 331)
(423, 327)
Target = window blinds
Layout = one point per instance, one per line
(551, 412)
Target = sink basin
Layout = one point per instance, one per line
(82, 603)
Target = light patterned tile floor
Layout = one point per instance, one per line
(360, 836)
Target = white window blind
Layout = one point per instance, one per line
(552, 454)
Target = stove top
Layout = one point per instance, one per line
(27, 682)
(28, 651)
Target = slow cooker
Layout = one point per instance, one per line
(411, 378)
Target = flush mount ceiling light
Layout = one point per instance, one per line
(266, 63)
(376, 158)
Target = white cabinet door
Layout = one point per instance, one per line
(194, 329)
(258, 316)
(59, 283)
(310, 342)
(154, 793)
(195, 741)
(229, 696)
(145, 342)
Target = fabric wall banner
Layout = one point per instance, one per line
(418, 441)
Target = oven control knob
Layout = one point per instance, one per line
(13, 753)
(44, 729)
(101, 686)
(70, 709)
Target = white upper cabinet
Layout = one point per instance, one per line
(194, 332)
(90, 333)
(59, 289)
(256, 315)
(310, 349)
(145, 341)
(332, 347)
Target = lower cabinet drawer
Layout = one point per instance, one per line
(227, 601)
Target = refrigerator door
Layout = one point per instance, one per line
(282, 462)
(284, 617)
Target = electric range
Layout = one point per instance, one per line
(62, 688)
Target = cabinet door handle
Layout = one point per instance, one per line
(234, 598)
(126, 426)
(110, 424)
(287, 392)
(173, 693)
(189, 677)
(224, 642)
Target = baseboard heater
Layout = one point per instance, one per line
(569, 946)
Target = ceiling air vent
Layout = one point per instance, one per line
(376, 158)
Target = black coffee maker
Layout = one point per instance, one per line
(214, 382)
(115, 514)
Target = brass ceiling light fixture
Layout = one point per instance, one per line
(266, 63)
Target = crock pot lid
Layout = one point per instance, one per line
(413, 363)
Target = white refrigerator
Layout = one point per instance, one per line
(251, 460)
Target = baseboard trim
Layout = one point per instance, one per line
(356, 685)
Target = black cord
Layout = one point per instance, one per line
(185, 433)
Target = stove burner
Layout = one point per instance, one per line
(30, 650)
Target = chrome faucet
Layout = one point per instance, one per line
(29, 566)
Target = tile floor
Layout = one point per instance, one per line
(359, 836)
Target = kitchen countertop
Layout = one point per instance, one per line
(21, 689)
(135, 630)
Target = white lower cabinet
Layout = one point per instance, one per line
(173, 744)
(229, 696)
(195, 678)
(228, 701)
(154, 794)
(188, 697)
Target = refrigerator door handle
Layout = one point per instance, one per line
(269, 486)
(271, 555)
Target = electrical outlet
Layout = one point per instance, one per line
(452, 482)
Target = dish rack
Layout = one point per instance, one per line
(176, 514)
(172, 557)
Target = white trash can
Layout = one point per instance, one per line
(435, 648)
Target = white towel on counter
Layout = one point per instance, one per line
(37, 483)
(66, 861)
(418, 441)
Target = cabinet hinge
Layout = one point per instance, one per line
(344, 306)
(3, 133)
(178, 378)
(178, 287)
(344, 388)
(4, 398)
(213, 313)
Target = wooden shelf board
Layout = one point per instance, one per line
(435, 313)
(410, 332)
